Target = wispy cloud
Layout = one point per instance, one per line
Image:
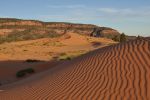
(66, 6)
(75, 13)
(108, 10)
(126, 12)
(72, 17)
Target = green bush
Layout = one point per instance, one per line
(123, 37)
(120, 38)
(22, 73)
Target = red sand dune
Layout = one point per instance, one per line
(119, 72)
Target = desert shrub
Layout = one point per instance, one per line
(68, 58)
(32, 60)
(123, 37)
(64, 58)
(120, 38)
(22, 73)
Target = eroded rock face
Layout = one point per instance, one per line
(8, 26)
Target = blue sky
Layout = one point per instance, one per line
(129, 16)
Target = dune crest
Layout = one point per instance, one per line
(118, 72)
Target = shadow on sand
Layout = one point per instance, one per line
(8, 69)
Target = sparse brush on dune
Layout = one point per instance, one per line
(23, 72)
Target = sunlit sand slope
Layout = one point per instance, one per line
(119, 72)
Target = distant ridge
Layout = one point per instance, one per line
(12, 24)
(118, 72)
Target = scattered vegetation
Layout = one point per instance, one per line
(52, 29)
(120, 38)
(26, 35)
(32, 60)
(22, 73)
(54, 43)
(69, 55)
(65, 58)
(123, 37)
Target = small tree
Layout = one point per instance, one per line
(123, 37)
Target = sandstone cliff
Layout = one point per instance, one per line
(10, 25)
